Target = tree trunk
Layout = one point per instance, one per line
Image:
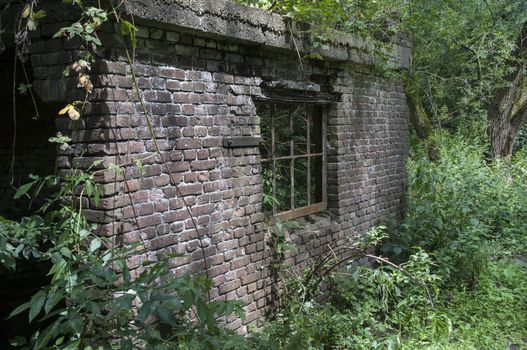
(502, 136)
(421, 125)
(507, 111)
(419, 119)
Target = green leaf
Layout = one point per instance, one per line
(54, 298)
(139, 165)
(145, 311)
(65, 252)
(89, 188)
(18, 341)
(97, 195)
(31, 24)
(75, 322)
(95, 244)
(126, 344)
(166, 316)
(39, 14)
(23, 88)
(93, 307)
(37, 302)
(128, 29)
(20, 309)
(22, 190)
(84, 233)
(57, 269)
(73, 346)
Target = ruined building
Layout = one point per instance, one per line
(240, 122)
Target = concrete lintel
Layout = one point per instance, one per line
(229, 20)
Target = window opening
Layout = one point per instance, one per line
(293, 158)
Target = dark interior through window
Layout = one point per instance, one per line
(292, 158)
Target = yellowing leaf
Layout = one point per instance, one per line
(73, 113)
(26, 12)
(83, 79)
(89, 87)
(65, 109)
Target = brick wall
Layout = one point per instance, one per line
(199, 88)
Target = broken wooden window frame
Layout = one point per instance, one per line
(317, 109)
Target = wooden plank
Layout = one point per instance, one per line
(273, 150)
(324, 157)
(299, 212)
(308, 130)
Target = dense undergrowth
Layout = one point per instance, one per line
(460, 281)
(463, 235)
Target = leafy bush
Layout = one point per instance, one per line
(363, 308)
(463, 239)
(459, 206)
(93, 301)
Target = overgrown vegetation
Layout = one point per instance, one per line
(456, 272)
(92, 300)
(463, 237)
(461, 282)
(469, 58)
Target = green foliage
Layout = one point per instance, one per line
(460, 206)
(462, 52)
(463, 238)
(93, 300)
(374, 21)
(364, 309)
(462, 249)
(352, 15)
